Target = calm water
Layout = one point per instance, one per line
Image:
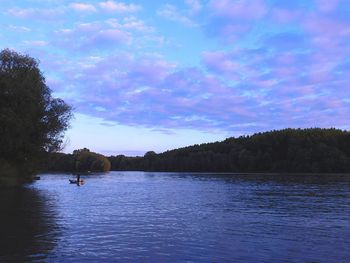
(171, 217)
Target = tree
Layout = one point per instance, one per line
(32, 122)
(89, 161)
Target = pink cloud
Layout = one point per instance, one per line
(230, 20)
(131, 23)
(82, 7)
(285, 72)
(237, 65)
(327, 6)
(171, 12)
(150, 71)
(141, 91)
(19, 29)
(334, 103)
(37, 43)
(246, 10)
(110, 36)
(36, 13)
(110, 33)
(222, 63)
(326, 26)
(119, 7)
(286, 58)
(282, 15)
(194, 5)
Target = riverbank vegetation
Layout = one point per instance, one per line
(283, 151)
(80, 161)
(32, 122)
(286, 151)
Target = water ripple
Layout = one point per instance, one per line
(170, 217)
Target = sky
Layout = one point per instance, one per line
(158, 75)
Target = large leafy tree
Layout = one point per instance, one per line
(81, 161)
(32, 122)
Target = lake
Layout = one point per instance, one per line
(177, 217)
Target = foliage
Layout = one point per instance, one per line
(80, 161)
(290, 150)
(32, 122)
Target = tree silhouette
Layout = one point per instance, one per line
(32, 122)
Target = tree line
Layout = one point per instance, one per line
(313, 150)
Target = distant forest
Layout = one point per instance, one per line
(287, 151)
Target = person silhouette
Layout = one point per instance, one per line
(79, 181)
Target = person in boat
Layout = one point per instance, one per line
(77, 181)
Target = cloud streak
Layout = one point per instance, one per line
(119, 7)
(82, 7)
(36, 13)
(171, 12)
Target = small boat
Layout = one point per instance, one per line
(73, 181)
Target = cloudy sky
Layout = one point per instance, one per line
(157, 75)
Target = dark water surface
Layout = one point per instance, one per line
(172, 217)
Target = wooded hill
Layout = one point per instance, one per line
(290, 150)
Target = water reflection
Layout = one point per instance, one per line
(268, 178)
(27, 225)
